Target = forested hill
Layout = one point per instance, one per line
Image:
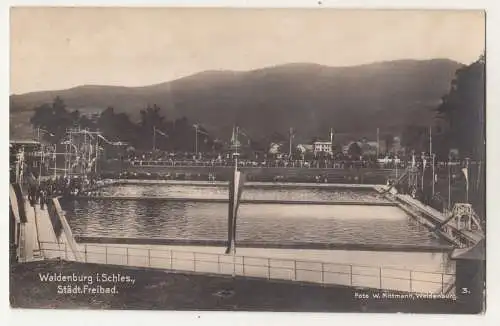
(310, 98)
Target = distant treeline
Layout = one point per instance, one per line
(152, 130)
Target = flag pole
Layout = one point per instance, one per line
(467, 180)
(233, 243)
(449, 182)
(55, 161)
(433, 173)
(378, 141)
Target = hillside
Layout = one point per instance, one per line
(309, 97)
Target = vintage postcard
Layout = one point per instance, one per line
(296, 160)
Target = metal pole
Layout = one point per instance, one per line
(433, 173)
(423, 169)
(196, 140)
(467, 180)
(70, 149)
(40, 163)
(96, 154)
(396, 162)
(449, 183)
(378, 150)
(430, 140)
(55, 161)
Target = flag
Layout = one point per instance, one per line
(161, 132)
(233, 137)
(466, 174)
(235, 190)
(202, 132)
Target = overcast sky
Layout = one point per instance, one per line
(56, 48)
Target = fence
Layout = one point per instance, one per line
(270, 164)
(260, 267)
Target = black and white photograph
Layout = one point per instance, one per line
(248, 159)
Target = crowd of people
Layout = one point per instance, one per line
(40, 192)
(268, 161)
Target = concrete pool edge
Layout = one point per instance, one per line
(268, 245)
(108, 182)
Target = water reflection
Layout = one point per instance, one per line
(144, 218)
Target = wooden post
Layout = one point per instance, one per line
(269, 268)
(85, 252)
(294, 270)
(194, 261)
(243, 264)
(127, 256)
(106, 254)
(171, 260)
(149, 257)
(411, 285)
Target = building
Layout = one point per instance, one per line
(322, 147)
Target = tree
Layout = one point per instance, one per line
(150, 120)
(415, 138)
(389, 141)
(54, 118)
(354, 150)
(117, 127)
(463, 109)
